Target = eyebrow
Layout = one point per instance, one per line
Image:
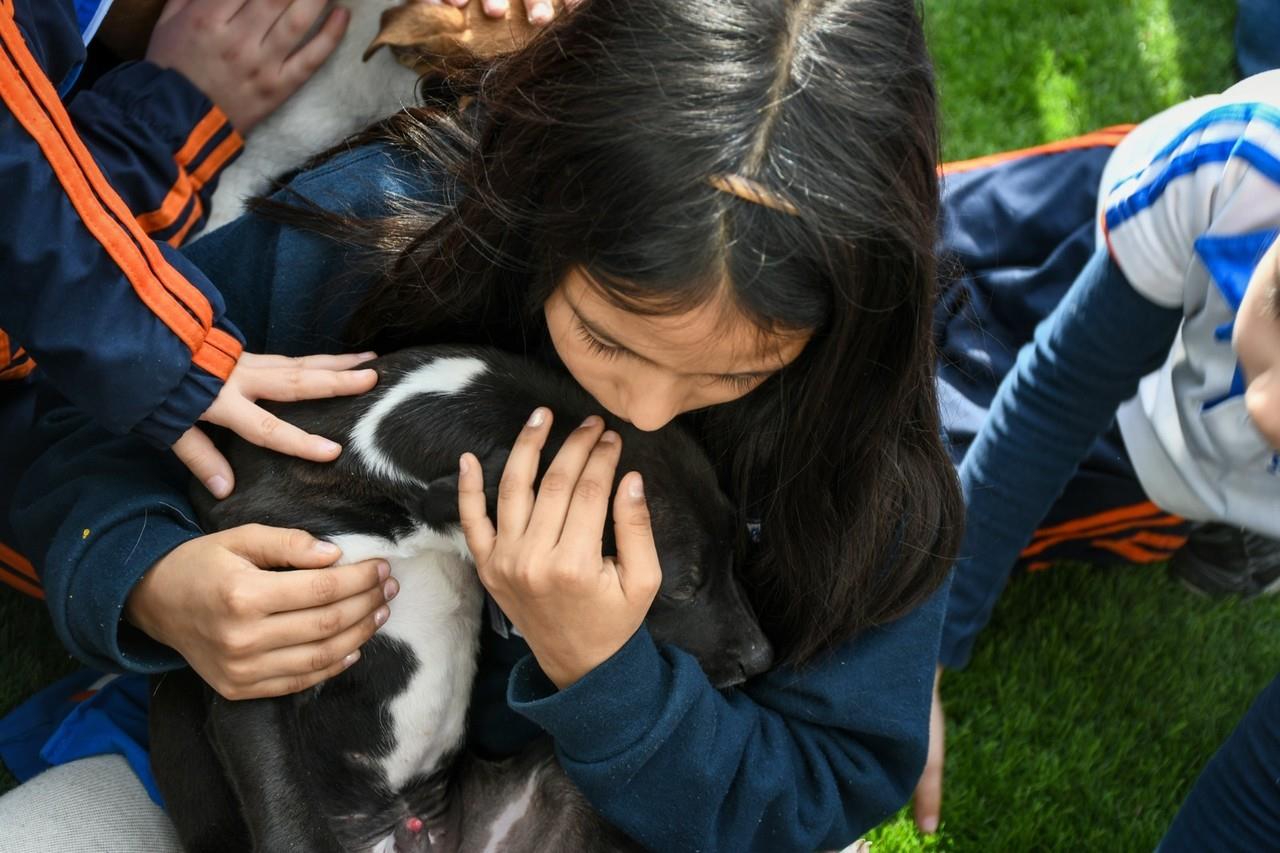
(609, 341)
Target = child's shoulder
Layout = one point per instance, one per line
(361, 181)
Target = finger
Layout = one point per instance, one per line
(458, 3)
(173, 7)
(540, 12)
(287, 684)
(473, 510)
(307, 658)
(515, 490)
(304, 61)
(561, 482)
(570, 5)
(289, 384)
(255, 424)
(639, 571)
(310, 588)
(927, 804)
(279, 547)
(288, 31)
(584, 525)
(321, 623)
(322, 361)
(195, 450)
(496, 8)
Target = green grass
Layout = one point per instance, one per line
(1096, 695)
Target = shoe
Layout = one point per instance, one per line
(1219, 560)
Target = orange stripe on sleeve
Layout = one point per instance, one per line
(189, 184)
(1131, 550)
(40, 111)
(1107, 136)
(219, 353)
(18, 563)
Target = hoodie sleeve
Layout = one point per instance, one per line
(127, 329)
(796, 760)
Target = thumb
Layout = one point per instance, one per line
(173, 7)
(639, 571)
(280, 547)
(195, 450)
(928, 800)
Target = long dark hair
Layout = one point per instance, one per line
(594, 146)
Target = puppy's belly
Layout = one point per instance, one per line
(436, 615)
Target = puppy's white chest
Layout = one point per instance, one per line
(436, 616)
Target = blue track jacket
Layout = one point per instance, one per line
(97, 192)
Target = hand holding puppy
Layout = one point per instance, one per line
(250, 632)
(247, 56)
(543, 564)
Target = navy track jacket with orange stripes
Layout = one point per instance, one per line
(97, 193)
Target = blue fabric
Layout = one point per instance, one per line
(1234, 806)
(1063, 392)
(1257, 36)
(802, 760)
(102, 346)
(77, 718)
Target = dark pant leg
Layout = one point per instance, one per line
(1235, 804)
(1258, 36)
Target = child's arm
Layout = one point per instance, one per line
(123, 326)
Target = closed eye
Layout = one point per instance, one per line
(736, 381)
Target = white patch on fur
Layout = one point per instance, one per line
(344, 96)
(442, 376)
(437, 615)
(512, 813)
(386, 845)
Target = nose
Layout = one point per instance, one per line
(756, 657)
(651, 405)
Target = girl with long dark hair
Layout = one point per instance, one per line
(717, 212)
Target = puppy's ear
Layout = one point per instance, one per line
(439, 506)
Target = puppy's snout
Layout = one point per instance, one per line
(756, 657)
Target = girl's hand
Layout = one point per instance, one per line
(270, 377)
(543, 564)
(247, 56)
(538, 11)
(252, 633)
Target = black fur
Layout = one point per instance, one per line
(290, 773)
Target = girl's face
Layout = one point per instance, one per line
(648, 369)
(1257, 343)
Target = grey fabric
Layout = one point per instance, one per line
(95, 805)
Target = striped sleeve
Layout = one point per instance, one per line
(161, 143)
(122, 325)
(1215, 176)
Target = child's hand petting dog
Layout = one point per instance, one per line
(247, 56)
(252, 633)
(543, 564)
(270, 377)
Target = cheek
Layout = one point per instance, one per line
(1262, 400)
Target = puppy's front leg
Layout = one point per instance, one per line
(253, 741)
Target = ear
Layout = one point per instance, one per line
(438, 506)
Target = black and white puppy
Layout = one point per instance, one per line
(361, 762)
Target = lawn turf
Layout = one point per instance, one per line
(1095, 695)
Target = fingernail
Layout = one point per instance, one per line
(591, 421)
(391, 589)
(499, 6)
(929, 825)
(351, 658)
(540, 13)
(326, 548)
(218, 486)
(538, 417)
(609, 437)
(327, 447)
(384, 571)
(367, 355)
(635, 488)
(463, 465)
(380, 615)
